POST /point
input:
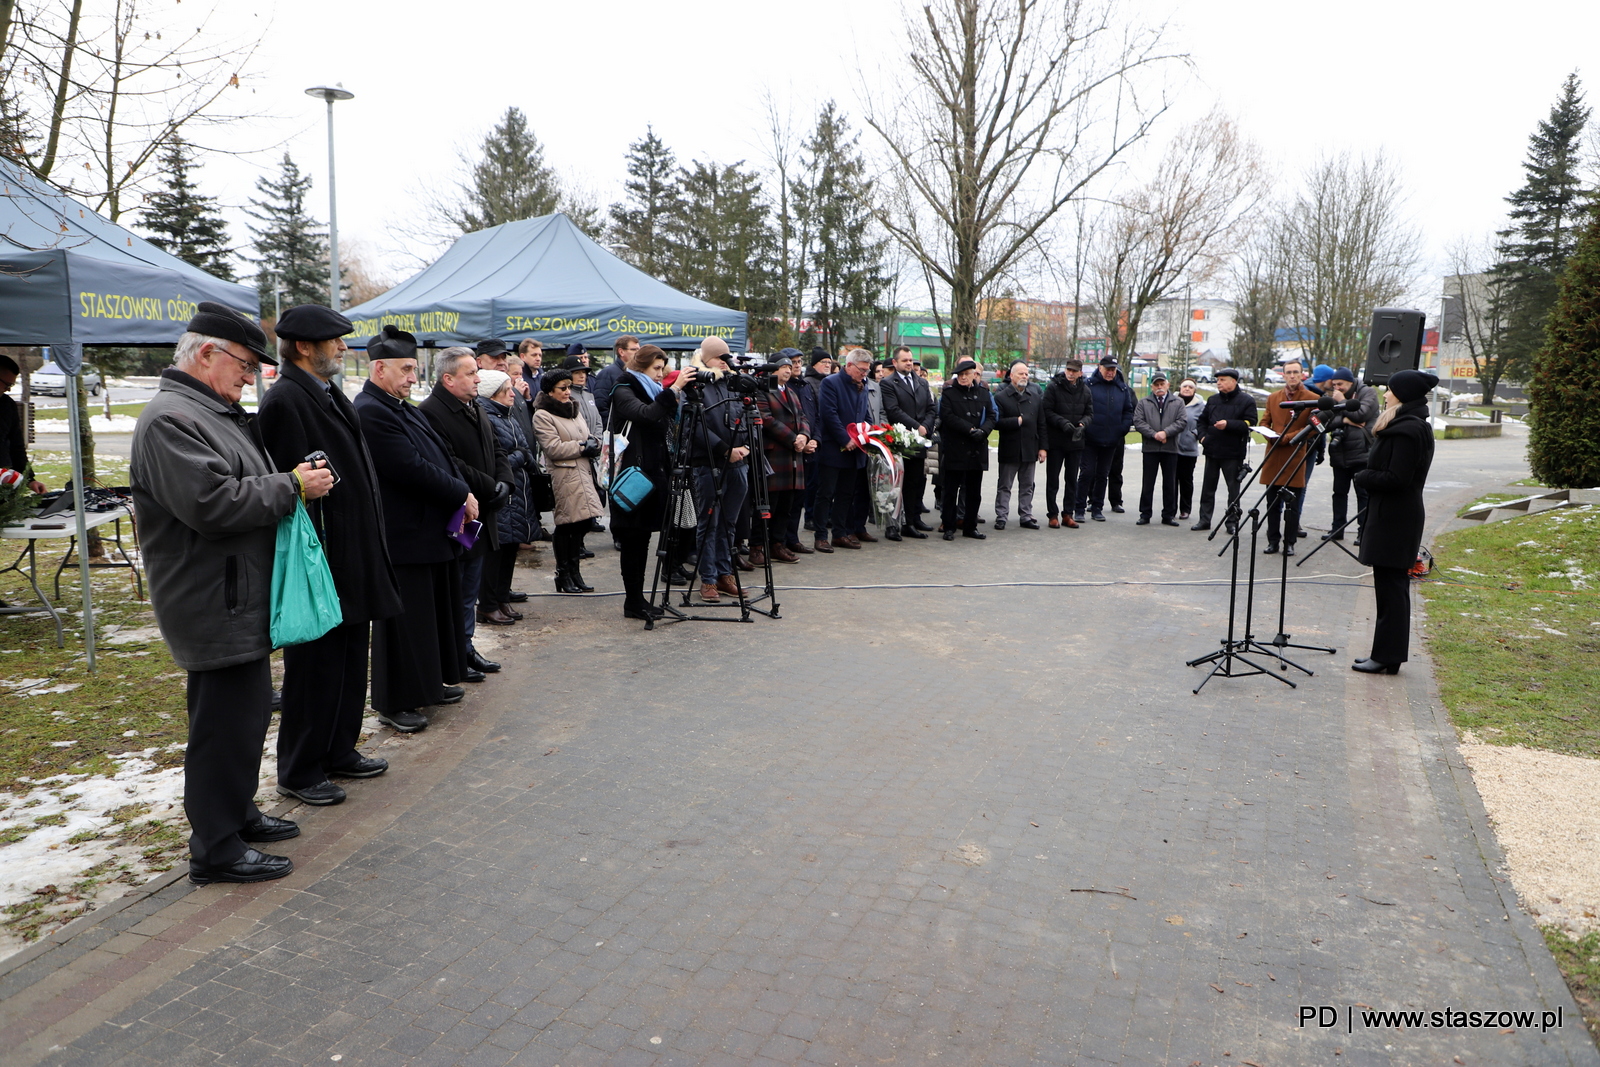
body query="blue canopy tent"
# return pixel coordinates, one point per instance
(70, 278)
(543, 278)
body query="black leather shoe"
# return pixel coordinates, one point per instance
(472, 674)
(1098, 516)
(1118, 509)
(1142, 520)
(1372, 666)
(1271, 549)
(478, 663)
(918, 524)
(642, 610)
(999, 524)
(324, 792)
(277, 700)
(912, 531)
(974, 534)
(518, 597)
(1201, 526)
(253, 866)
(406, 722)
(949, 535)
(1029, 524)
(891, 535)
(451, 694)
(1333, 536)
(268, 828)
(1288, 548)
(584, 553)
(507, 609)
(363, 767)
(1169, 522)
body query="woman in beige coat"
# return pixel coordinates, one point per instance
(569, 449)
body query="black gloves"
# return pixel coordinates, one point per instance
(591, 449)
(502, 493)
(977, 433)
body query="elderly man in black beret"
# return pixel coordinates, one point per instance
(325, 681)
(209, 500)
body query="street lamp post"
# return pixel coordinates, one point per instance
(330, 94)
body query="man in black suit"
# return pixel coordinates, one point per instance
(416, 656)
(325, 681)
(454, 412)
(907, 400)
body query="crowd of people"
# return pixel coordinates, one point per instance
(423, 508)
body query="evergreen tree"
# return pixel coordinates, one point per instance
(639, 223)
(511, 181)
(288, 241)
(183, 222)
(1547, 218)
(721, 246)
(841, 265)
(1564, 447)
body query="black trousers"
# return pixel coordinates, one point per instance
(1164, 464)
(568, 542)
(1114, 475)
(961, 492)
(1061, 466)
(813, 481)
(841, 501)
(1341, 497)
(913, 485)
(1283, 505)
(1186, 465)
(1228, 471)
(1391, 637)
(494, 587)
(419, 651)
(784, 502)
(229, 710)
(635, 555)
(1092, 482)
(324, 694)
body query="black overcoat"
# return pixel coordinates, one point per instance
(1068, 412)
(961, 409)
(417, 480)
(465, 428)
(1020, 443)
(1397, 469)
(647, 424)
(1238, 410)
(298, 416)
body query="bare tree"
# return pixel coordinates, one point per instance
(1011, 108)
(1259, 298)
(1179, 228)
(1348, 248)
(1475, 314)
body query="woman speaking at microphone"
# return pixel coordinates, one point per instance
(1397, 468)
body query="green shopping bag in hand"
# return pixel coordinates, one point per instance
(305, 605)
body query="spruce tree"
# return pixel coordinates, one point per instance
(1564, 447)
(1547, 217)
(639, 223)
(288, 241)
(511, 181)
(721, 246)
(183, 222)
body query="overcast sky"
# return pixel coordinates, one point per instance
(1450, 90)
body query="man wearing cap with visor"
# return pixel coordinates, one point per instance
(209, 500)
(325, 681)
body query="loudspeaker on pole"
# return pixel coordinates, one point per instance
(1394, 344)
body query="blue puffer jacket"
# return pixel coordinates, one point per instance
(1113, 409)
(515, 521)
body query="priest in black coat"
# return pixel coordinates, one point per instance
(325, 681)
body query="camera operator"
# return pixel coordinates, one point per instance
(712, 450)
(1224, 435)
(786, 437)
(1397, 469)
(1348, 445)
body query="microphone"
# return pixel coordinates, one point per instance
(1311, 428)
(1323, 403)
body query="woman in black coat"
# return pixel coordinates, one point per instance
(1397, 468)
(964, 425)
(515, 521)
(644, 412)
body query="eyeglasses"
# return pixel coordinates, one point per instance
(251, 368)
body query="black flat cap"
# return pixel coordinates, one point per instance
(311, 322)
(392, 343)
(215, 320)
(572, 363)
(491, 347)
(1228, 372)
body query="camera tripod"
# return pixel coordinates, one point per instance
(1235, 649)
(681, 505)
(1334, 539)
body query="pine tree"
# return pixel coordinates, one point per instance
(1564, 447)
(1547, 217)
(288, 242)
(841, 269)
(183, 222)
(639, 223)
(511, 182)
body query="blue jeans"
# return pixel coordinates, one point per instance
(716, 521)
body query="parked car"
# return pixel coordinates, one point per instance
(1203, 375)
(50, 380)
(1274, 377)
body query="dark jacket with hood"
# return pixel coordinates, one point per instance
(1067, 413)
(1113, 409)
(516, 519)
(1397, 469)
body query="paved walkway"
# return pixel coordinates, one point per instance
(961, 825)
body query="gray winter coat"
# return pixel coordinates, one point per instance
(588, 410)
(1150, 416)
(208, 501)
(1189, 441)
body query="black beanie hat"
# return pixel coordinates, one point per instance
(1410, 385)
(217, 320)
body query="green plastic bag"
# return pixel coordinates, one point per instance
(305, 605)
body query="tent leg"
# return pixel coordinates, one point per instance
(74, 420)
